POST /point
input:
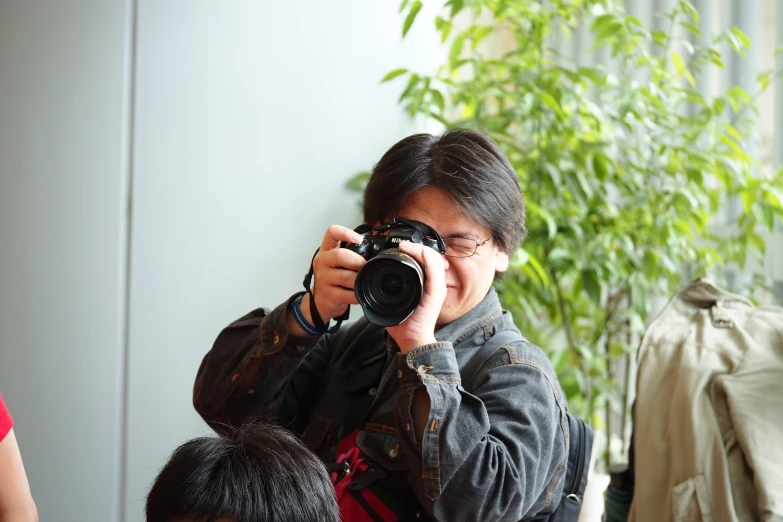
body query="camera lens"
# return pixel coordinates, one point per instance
(389, 287)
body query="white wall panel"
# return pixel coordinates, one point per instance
(250, 117)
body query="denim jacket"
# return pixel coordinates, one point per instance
(493, 449)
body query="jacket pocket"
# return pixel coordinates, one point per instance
(691, 501)
(382, 445)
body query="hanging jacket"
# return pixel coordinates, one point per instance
(708, 421)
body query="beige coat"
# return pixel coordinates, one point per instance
(708, 423)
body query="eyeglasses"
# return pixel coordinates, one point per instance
(462, 247)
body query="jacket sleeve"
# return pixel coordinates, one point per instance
(752, 392)
(498, 453)
(256, 367)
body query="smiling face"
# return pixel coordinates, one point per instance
(468, 279)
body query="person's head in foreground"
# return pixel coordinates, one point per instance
(262, 473)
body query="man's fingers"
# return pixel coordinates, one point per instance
(423, 254)
(336, 294)
(431, 260)
(348, 296)
(343, 258)
(434, 265)
(337, 233)
(341, 278)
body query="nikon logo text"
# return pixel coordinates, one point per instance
(396, 240)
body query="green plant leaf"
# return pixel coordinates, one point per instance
(737, 97)
(765, 214)
(456, 7)
(546, 216)
(679, 67)
(358, 181)
(456, 51)
(592, 284)
(444, 27)
(542, 275)
(737, 32)
(599, 163)
(478, 34)
(414, 10)
(765, 78)
(690, 11)
(550, 102)
(693, 28)
(558, 255)
(393, 74)
(413, 82)
(733, 132)
(437, 99)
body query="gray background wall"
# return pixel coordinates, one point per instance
(233, 126)
(63, 130)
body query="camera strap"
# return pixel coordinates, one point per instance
(318, 322)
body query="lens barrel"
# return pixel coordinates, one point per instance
(389, 287)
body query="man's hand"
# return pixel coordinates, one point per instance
(419, 328)
(334, 270)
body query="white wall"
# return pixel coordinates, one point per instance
(61, 231)
(249, 118)
(235, 125)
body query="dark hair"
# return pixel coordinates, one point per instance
(465, 165)
(262, 473)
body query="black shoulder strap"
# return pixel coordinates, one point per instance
(482, 355)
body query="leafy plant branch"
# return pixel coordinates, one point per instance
(626, 174)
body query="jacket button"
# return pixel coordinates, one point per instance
(393, 453)
(251, 391)
(276, 339)
(399, 374)
(372, 392)
(300, 348)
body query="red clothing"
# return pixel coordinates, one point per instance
(6, 422)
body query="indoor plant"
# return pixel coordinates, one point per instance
(625, 172)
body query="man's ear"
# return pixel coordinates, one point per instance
(501, 260)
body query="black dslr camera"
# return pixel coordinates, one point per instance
(390, 285)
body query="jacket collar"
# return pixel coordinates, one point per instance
(487, 312)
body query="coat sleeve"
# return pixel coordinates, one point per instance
(498, 452)
(255, 367)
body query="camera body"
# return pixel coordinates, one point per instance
(373, 245)
(390, 285)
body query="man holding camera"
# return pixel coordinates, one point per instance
(409, 430)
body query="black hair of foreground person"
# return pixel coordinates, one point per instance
(260, 473)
